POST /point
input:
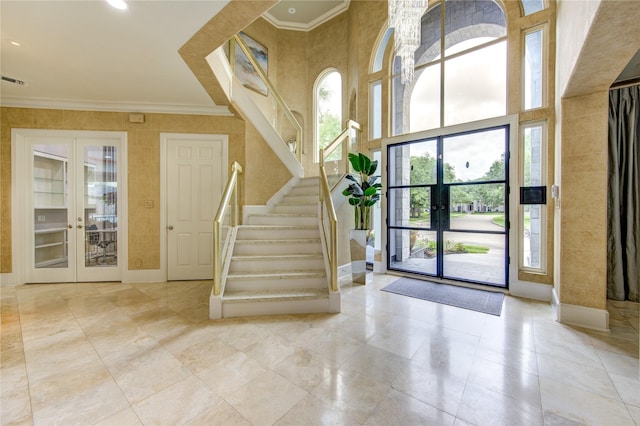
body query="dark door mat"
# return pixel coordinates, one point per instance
(487, 302)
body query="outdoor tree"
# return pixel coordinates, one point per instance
(329, 126)
(492, 195)
(423, 171)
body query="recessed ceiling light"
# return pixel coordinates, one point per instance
(118, 4)
(15, 43)
(292, 10)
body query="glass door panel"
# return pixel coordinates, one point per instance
(50, 206)
(476, 257)
(447, 206)
(474, 157)
(73, 225)
(98, 213)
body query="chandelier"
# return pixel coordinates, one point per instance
(405, 17)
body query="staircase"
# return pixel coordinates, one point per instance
(277, 264)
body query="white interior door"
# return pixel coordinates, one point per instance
(73, 193)
(196, 174)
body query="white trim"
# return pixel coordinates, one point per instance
(581, 316)
(8, 280)
(530, 290)
(299, 26)
(15, 102)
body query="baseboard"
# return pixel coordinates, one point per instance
(529, 290)
(8, 280)
(581, 316)
(144, 276)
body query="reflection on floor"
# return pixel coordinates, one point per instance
(131, 354)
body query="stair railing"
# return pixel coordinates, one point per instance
(328, 217)
(272, 90)
(349, 134)
(227, 211)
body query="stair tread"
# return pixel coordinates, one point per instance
(283, 227)
(278, 241)
(278, 256)
(295, 294)
(303, 273)
(286, 214)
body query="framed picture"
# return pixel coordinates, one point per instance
(245, 72)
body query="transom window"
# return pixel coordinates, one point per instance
(468, 82)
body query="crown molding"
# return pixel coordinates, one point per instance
(43, 103)
(298, 26)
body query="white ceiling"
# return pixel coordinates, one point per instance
(87, 55)
(304, 15)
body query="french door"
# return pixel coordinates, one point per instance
(447, 206)
(74, 201)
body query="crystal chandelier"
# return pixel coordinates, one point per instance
(405, 17)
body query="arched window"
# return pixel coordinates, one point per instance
(327, 111)
(465, 84)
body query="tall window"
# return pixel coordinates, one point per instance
(460, 68)
(533, 69)
(328, 111)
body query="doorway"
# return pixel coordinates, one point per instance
(447, 206)
(72, 186)
(195, 172)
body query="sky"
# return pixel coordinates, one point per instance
(475, 88)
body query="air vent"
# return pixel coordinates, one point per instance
(13, 80)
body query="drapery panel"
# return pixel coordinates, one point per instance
(623, 213)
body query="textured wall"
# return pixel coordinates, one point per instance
(583, 229)
(143, 151)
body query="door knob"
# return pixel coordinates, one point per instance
(443, 207)
(170, 227)
(69, 226)
(80, 226)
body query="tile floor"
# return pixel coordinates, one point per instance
(131, 354)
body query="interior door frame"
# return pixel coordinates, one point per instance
(165, 139)
(21, 189)
(513, 240)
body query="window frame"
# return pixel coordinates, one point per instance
(544, 210)
(316, 126)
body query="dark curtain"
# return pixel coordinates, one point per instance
(623, 213)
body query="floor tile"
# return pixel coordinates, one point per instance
(266, 398)
(89, 353)
(177, 404)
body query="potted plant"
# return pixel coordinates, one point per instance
(363, 194)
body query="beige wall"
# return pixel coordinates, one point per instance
(143, 156)
(597, 39)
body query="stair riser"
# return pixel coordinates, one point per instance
(276, 233)
(275, 307)
(296, 208)
(301, 199)
(257, 266)
(255, 249)
(305, 190)
(282, 221)
(256, 284)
